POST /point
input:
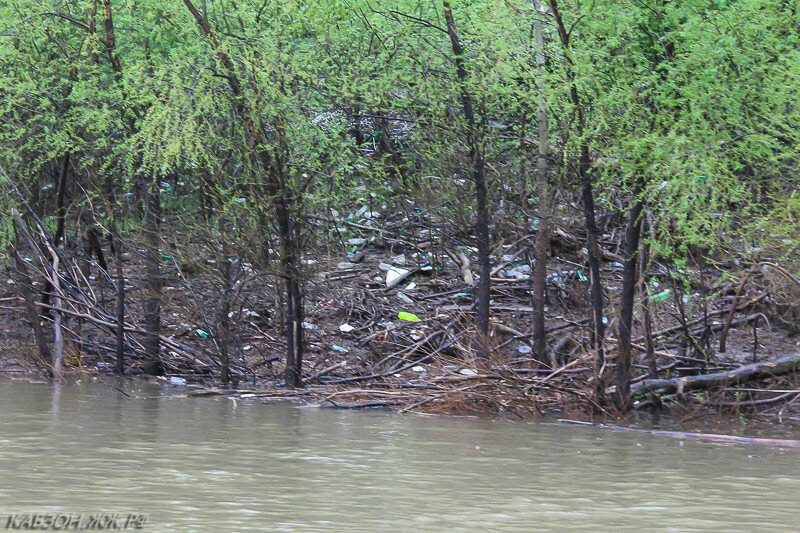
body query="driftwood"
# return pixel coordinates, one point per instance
(783, 365)
(713, 437)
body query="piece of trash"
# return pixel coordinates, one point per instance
(418, 369)
(403, 298)
(345, 265)
(524, 349)
(518, 273)
(164, 256)
(582, 277)
(468, 372)
(449, 367)
(399, 259)
(464, 297)
(308, 325)
(202, 334)
(416, 335)
(346, 328)
(177, 381)
(661, 296)
(356, 257)
(340, 349)
(358, 241)
(411, 286)
(402, 315)
(395, 276)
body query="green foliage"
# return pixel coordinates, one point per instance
(697, 100)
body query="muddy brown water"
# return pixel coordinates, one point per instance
(217, 465)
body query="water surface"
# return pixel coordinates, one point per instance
(218, 465)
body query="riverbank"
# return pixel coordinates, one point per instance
(389, 322)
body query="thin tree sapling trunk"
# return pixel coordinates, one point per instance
(478, 178)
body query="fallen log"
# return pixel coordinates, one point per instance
(713, 437)
(743, 374)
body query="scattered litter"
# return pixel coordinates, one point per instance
(345, 265)
(177, 381)
(403, 298)
(418, 369)
(356, 257)
(524, 349)
(411, 286)
(346, 328)
(416, 335)
(402, 315)
(661, 296)
(202, 334)
(357, 241)
(468, 372)
(340, 349)
(521, 272)
(395, 276)
(308, 325)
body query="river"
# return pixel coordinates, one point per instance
(218, 465)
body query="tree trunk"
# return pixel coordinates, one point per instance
(542, 245)
(630, 253)
(592, 246)
(22, 280)
(223, 340)
(60, 201)
(647, 322)
(479, 179)
(275, 189)
(61, 189)
(106, 194)
(152, 282)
